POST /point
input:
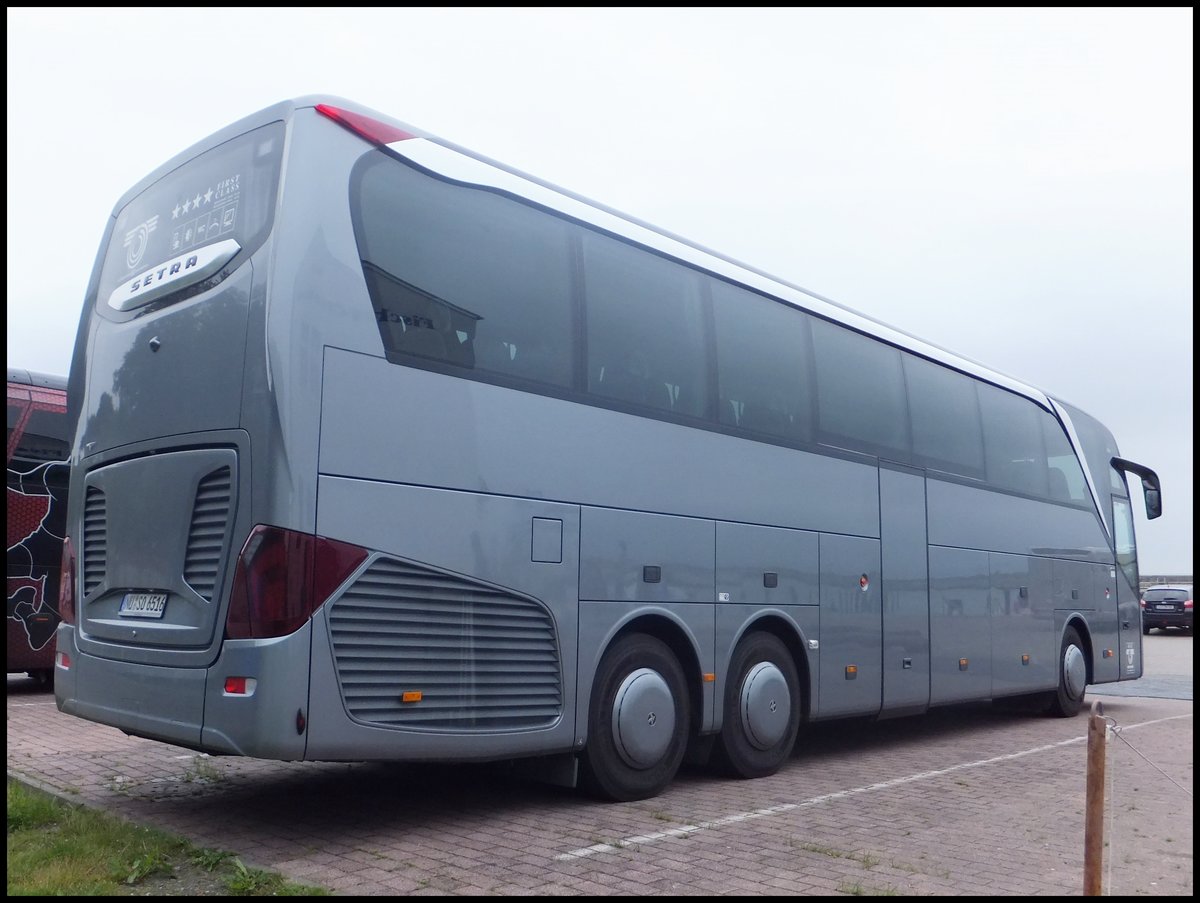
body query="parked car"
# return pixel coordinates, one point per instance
(1167, 606)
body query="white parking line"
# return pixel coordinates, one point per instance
(643, 839)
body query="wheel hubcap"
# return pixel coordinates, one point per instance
(643, 718)
(766, 705)
(1074, 671)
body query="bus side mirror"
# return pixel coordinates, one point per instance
(1153, 502)
(1151, 488)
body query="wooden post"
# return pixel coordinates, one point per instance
(1093, 830)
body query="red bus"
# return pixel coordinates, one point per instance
(39, 443)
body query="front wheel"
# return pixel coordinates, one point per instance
(638, 722)
(761, 708)
(1072, 676)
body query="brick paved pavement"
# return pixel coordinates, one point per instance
(963, 801)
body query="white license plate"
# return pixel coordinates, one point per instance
(1165, 607)
(143, 605)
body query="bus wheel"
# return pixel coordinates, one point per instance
(638, 723)
(761, 708)
(1072, 676)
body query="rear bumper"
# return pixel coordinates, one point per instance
(189, 706)
(145, 700)
(1151, 619)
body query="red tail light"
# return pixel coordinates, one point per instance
(282, 577)
(66, 583)
(1142, 602)
(1187, 605)
(364, 126)
(235, 686)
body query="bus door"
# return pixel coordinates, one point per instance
(905, 582)
(1125, 584)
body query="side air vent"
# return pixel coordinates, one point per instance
(206, 536)
(95, 540)
(416, 648)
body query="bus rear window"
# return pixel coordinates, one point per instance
(163, 236)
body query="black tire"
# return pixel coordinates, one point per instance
(1068, 698)
(640, 689)
(44, 677)
(1145, 630)
(758, 734)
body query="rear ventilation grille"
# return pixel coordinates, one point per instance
(206, 536)
(467, 656)
(95, 540)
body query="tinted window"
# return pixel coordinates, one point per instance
(463, 276)
(645, 328)
(1167, 595)
(1126, 547)
(1065, 475)
(944, 408)
(1099, 448)
(763, 364)
(860, 392)
(38, 427)
(227, 192)
(1012, 441)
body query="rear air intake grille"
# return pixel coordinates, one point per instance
(480, 658)
(206, 537)
(95, 540)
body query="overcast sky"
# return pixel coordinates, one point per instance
(1014, 185)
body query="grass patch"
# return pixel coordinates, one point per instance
(201, 771)
(856, 889)
(56, 849)
(866, 860)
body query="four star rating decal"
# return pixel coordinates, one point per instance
(192, 203)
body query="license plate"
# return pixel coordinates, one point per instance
(143, 605)
(1164, 607)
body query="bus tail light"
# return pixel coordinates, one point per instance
(282, 577)
(66, 583)
(364, 126)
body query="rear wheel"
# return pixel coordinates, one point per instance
(1072, 676)
(761, 708)
(638, 722)
(1145, 630)
(44, 678)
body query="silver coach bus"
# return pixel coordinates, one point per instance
(387, 451)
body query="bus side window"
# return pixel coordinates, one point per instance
(1012, 441)
(861, 399)
(1067, 482)
(645, 328)
(943, 410)
(464, 277)
(763, 363)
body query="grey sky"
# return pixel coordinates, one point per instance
(1015, 185)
